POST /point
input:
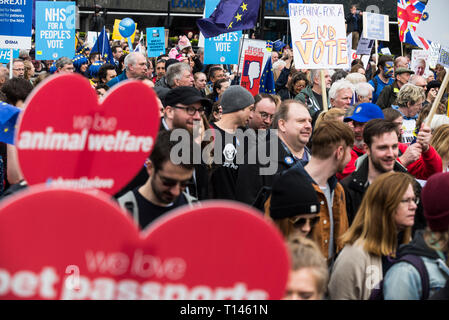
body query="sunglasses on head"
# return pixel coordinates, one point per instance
(299, 222)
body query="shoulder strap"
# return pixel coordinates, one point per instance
(375, 84)
(190, 199)
(418, 263)
(129, 202)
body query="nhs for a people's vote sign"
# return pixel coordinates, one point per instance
(223, 48)
(15, 24)
(55, 30)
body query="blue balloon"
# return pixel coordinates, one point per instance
(126, 27)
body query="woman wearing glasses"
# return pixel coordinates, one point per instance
(293, 205)
(384, 219)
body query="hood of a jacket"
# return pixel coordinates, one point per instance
(418, 247)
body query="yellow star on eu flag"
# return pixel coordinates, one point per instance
(238, 17)
(244, 6)
(230, 26)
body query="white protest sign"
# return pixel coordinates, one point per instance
(92, 37)
(419, 62)
(376, 26)
(443, 58)
(318, 36)
(434, 54)
(386, 51)
(365, 46)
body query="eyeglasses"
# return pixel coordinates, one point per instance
(171, 182)
(299, 222)
(410, 200)
(265, 115)
(191, 110)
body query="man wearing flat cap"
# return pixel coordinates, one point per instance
(388, 96)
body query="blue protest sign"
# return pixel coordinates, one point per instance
(155, 41)
(15, 24)
(5, 55)
(224, 48)
(55, 30)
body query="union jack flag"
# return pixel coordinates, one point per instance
(409, 15)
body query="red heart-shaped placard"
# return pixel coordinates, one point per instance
(68, 244)
(66, 138)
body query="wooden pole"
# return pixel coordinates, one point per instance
(438, 98)
(402, 49)
(377, 52)
(323, 91)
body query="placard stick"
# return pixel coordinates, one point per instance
(402, 49)
(10, 63)
(377, 52)
(438, 98)
(323, 91)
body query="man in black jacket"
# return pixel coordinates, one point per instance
(381, 139)
(354, 25)
(288, 147)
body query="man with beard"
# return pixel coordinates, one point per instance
(164, 189)
(384, 76)
(382, 147)
(332, 143)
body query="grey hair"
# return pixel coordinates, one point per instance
(131, 59)
(363, 89)
(61, 62)
(355, 78)
(340, 85)
(175, 71)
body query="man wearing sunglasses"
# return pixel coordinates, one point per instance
(165, 188)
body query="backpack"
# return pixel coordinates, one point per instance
(418, 263)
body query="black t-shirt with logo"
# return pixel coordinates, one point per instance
(224, 176)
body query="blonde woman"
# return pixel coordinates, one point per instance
(334, 114)
(386, 214)
(409, 104)
(440, 141)
(308, 275)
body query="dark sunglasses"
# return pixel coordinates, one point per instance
(171, 182)
(299, 222)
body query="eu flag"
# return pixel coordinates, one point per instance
(102, 46)
(267, 79)
(8, 119)
(230, 15)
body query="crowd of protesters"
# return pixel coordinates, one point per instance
(356, 190)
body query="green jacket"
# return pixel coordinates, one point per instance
(307, 97)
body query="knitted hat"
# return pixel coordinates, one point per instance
(293, 194)
(184, 43)
(92, 71)
(436, 202)
(235, 98)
